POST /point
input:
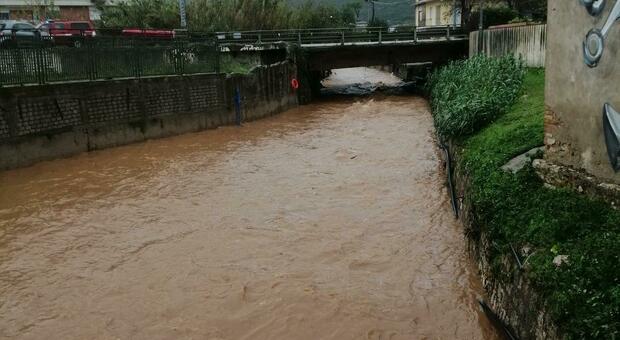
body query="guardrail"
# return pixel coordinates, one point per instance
(339, 35)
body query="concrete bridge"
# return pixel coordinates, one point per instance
(326, 49)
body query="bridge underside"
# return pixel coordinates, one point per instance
(333, 57)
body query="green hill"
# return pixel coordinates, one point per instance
(394, 11)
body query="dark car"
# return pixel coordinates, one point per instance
(71, 33)
(14, 32)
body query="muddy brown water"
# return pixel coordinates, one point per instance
(330, 221)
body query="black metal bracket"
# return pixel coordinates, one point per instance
(611, 126)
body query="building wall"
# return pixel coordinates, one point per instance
(435, 13)
(69, 10)
(51, 121)
(75, 13)
(576, 93)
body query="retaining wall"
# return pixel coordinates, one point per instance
(511, 294)
(51, 121)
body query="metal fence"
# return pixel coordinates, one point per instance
(320, 36)
(527, 42)
(103, 59)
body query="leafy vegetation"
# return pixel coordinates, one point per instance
(468, 94)
(582, 294)
(225, 15)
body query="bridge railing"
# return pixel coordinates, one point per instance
(339, 35)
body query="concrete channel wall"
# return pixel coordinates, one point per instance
(576, 93)
(51, 121)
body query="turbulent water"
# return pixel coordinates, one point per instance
(330, 221)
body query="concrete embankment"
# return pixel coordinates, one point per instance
(45, 122)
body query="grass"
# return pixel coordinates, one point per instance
(582, 295)
(469, 94)
(239, 64)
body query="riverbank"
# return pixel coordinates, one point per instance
(549, 258)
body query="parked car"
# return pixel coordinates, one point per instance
(14, 32)
(70, 33)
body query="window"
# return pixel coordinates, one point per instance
(23, 27)
(5, 15)
(438, 15)
(59, 26)
(80, 26)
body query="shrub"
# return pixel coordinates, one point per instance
(467, 95)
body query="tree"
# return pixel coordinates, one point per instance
(142, 14)
(43, 9)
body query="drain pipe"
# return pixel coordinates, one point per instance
(453, 199)
(497, 321)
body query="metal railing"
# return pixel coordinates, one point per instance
(38, 62)
(111, 54)
(338, 35)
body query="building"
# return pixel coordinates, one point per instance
(437, 13)
(39, 10)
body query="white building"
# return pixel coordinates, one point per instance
(437, 13)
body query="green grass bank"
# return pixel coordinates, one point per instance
(581, 290)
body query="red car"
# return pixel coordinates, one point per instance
(71, 33)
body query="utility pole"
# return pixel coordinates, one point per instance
(415, 14)
(183, 13)
(454, 13)
(481, 28)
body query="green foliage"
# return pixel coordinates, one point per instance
(142, 14)
(239, 64)
(467, 95)
(583, 295)
(226, 15)
(493, 15)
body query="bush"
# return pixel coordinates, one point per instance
(467, 95)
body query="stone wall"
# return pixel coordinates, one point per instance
(46, 122)
(510, 293)
(576, 93)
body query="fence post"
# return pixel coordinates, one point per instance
(38, 68)
(380, 36)
(448, 32)
(299, 37)
(342, 37)
(217, 56)
(92, 63)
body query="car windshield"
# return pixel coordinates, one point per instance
(23, 26)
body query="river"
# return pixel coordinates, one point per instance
(329, 221)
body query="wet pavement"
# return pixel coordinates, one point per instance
(329, 221)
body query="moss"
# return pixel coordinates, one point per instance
(583, 295)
